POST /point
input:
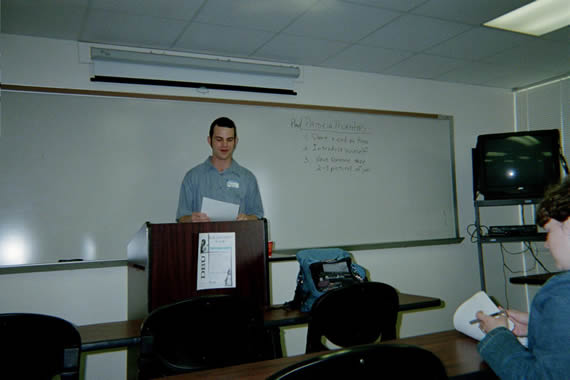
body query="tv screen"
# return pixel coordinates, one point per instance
(516, 165)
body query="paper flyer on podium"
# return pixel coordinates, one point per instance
(216, 260)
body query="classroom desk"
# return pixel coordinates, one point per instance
(103, 336)
(458, 353)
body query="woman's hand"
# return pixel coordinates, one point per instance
(520, 319)
(488, 323)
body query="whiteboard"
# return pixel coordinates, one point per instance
(80, 174)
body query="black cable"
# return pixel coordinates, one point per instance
(528, 244)
(536, 258)
(503, 250)
(529, 249)
(483, 230)
(512, 253)
(505, 279)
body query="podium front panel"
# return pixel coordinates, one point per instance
(172, 265)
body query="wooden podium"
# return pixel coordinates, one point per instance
(163, 263)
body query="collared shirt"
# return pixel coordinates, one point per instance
(548, 353)
(235, 185)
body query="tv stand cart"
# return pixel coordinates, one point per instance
(484, 239)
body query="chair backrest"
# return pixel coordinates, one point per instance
(354, 315)
(378, 361)
(37, 346)
(199, 333)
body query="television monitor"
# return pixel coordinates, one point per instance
(516, 165)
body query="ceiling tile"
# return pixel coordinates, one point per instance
(398, 5)
(473, 73)
(299, 50)
(177, 9)
(561, 35)
(269, 15)
(131, 30)
(549, 55)
(413, 38)
(414, 33)
(478, 43)
(366, 59)
(424, 66)
(339, 21)
(468, 11)
(56, 19)
(222, 39)
(520, 77)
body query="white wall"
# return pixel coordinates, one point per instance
(82, 296)
(449, 272)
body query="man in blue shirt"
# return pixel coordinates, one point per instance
(219, 178)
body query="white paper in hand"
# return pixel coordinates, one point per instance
(465, 313)
(219, 211)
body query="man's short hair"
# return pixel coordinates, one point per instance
(225, 122)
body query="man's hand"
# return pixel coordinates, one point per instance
(246, 217)
(194, 218)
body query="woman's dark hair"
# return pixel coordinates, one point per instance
(556, 204)
(223, 122)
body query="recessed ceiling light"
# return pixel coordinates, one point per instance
(536, 18)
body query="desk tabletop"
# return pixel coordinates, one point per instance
(277, 316)
(103, 336)
(458, 353)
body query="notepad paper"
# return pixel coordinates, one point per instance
(465, 313)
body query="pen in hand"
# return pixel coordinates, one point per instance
(502, 312)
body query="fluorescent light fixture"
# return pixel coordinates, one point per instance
(228, 66)
(536, 18)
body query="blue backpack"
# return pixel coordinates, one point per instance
(321, 270)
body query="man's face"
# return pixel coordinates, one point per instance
(223, 142)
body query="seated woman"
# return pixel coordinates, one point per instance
(547, 326)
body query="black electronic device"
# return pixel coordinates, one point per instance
(516, 165)
(514, 230)
(332, 274)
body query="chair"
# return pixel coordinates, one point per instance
(37, 346)
(199, 333)
(354, 315)
(377, 361)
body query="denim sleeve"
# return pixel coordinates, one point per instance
(503, 352)
(511, 360)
